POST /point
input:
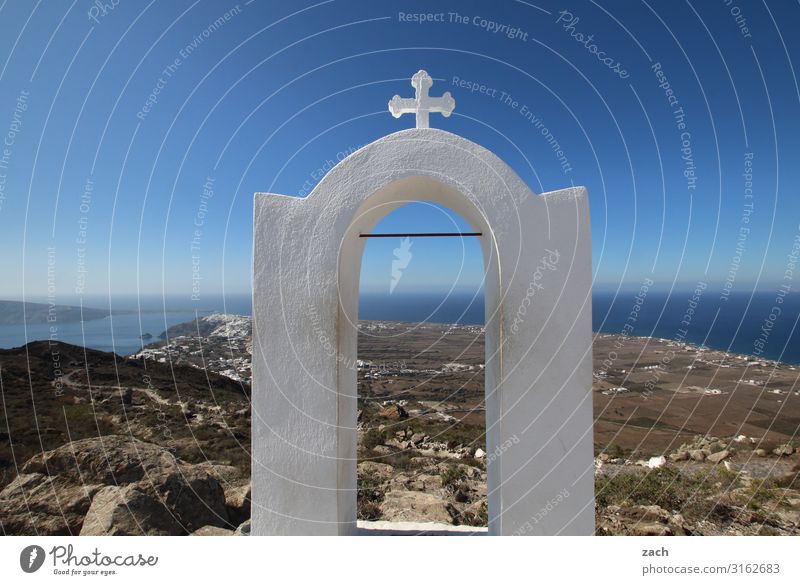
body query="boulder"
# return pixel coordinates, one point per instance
(697, 455)
(760, 453)
(718, 456)
(381, 471)
(656, 462)
(480, 453)
(393, 412)
(679, 456)
(783, 450)
(110, 460)
(243, 529)
(111, 485)
(640, 521)
(649, 529)
(237, 502)
(36, 504)
(412, 506)
(212, 531)
(128, 511)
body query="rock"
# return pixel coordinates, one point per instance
(110, 460)
(788, 516)
(656, 462)
(650, 513)
(237, 502)
(410, 506)
(697, 455)
(718, 456)
(393, 412)
(649, 529)
(229, 475)
(145, 490)
(679, 456)
(243, 529)
(640, 521)
(783, 450)
(128, 511)
(424, 483)
(417, 438)
(36, 504)
(760, 452)
(212, 531)
(480, 453)
(381, 471)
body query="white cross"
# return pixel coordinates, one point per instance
(422, 104)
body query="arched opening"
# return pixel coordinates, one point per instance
(468, 291)
(421, 399)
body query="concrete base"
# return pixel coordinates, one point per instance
(382, 528)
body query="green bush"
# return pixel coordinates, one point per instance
(666, 487)
(479, 517)
(452, 476)
(372, 438)
(369, 497)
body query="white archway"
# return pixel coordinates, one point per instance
(537, 254)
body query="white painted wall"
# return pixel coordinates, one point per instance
(307, 257)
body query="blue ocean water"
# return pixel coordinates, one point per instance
(757, 324)
(121, 333)
(763, 324)
(466, 309)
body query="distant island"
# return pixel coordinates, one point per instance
(19, 313)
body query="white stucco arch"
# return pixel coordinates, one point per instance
(537, 255)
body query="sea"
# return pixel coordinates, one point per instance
(762, 324)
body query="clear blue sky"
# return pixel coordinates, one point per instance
(263, 101)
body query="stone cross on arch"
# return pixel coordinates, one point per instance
(422, 104)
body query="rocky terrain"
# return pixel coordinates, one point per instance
(687, 440)
(118, 485)
(76, 422)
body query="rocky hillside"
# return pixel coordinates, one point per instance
(54, 393)
(93, 443)
(413, 470)
(118, 485)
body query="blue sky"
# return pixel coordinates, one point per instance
(270, 97)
